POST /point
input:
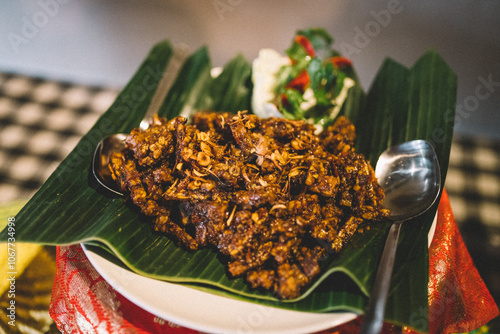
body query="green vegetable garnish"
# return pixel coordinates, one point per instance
(309, 87)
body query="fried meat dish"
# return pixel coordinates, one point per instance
(269, 194)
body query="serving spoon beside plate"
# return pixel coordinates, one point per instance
(410, 176)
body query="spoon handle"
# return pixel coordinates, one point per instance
(180, 53)
(374, 316)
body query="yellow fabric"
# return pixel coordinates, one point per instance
(24, 253)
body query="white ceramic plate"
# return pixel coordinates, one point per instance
(207, 312)
(211, 313)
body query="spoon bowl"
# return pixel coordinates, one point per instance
(410, 176)
(102, 157)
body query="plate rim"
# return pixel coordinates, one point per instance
(119, 279)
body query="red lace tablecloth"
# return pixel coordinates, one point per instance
(83, 302)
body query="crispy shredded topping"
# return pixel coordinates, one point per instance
(272, 196)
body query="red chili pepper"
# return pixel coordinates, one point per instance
(306, 44)
(300, 82)
(341, 62)
(284, 101)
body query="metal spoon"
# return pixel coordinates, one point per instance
(410, 176)
(116, 142)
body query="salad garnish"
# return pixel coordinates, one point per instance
(311, 82)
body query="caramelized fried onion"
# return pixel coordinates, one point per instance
(272, 196)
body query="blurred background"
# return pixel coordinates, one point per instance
(87, 50)
(103, 42)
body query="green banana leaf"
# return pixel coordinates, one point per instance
(402, 104)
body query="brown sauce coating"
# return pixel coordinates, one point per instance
(271, 195)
